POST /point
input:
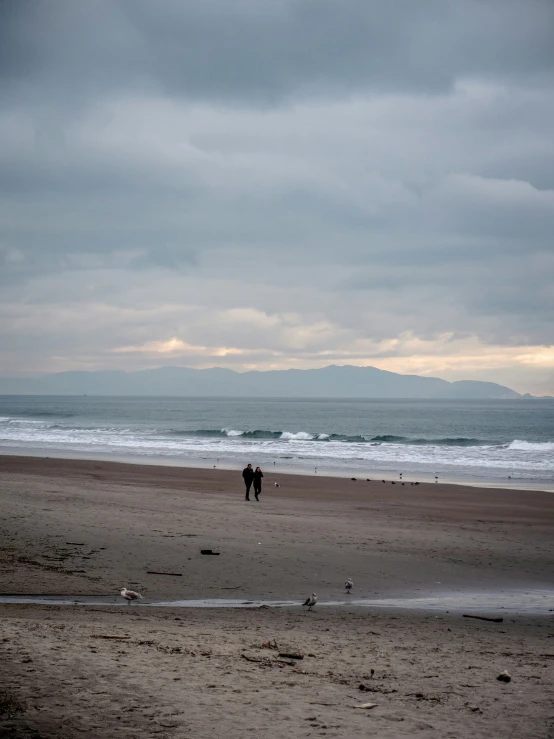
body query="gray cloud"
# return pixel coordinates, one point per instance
(302, 182)
(209, 49)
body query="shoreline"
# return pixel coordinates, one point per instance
(196, 464)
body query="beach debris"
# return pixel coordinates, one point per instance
(365, 705)
(353, 478)
(361, 686)
(209, 551)
(349, 585)
(76, 543)
(276, 484)
(259, 659)
(10, 704)
(310, 601)
(130, 595)
(288, 662)
(172, 574)
(291, 655)
(110, 636)
(269, 645)
(423, 697)
(504, 677)
(497, 620)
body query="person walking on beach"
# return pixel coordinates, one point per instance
(248, 477)
(258, 474)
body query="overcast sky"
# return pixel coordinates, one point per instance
(278, 183)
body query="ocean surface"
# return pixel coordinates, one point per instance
(501, 442)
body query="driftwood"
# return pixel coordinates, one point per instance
(110, 636)
(484, 618)
(366, 705)
(291, 655)
(76, 543)
(251, 658)
(209, 551)
(173, 574)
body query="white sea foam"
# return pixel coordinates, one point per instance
(299, 436)
(531, 446)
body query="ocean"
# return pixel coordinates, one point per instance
(501, 442)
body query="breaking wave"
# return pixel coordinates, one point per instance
(325, 437)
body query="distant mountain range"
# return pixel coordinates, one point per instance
(328, 382)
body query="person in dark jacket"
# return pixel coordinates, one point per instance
(248, 477)
(258, 474)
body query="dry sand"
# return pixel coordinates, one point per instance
(204, 673)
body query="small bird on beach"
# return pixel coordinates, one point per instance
(129, 595)
(349, 585)
(311, 601)
(276, 484)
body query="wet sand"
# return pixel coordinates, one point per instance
(72, 527)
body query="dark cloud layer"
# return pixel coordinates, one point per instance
(278, 184)
(227, 49)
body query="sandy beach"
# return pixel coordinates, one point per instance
(71, 527)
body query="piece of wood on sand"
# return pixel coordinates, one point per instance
(365, 705)
(110, 636)
(172, 574)
(484, 618)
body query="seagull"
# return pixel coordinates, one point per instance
(129, 595)
(311, 601)
(348, 585)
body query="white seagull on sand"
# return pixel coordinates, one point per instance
(311, 601)
(349, 585)
(129, 595)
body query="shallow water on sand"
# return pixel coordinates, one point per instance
(529, 602)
